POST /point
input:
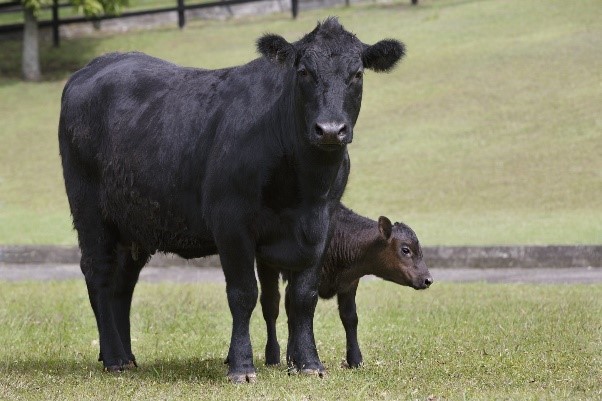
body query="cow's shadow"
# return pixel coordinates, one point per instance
(211, 370)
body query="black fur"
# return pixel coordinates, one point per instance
(157, 157)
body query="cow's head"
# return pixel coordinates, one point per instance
(398, 258)
(328, 65)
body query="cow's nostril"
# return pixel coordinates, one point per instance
(319, 130)
(428, 281)
(342, 132)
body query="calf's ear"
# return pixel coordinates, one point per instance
(276, 48)
(382, 56)
(385, 227)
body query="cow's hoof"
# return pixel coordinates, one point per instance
(318, 371)
(313, 372)
(239, 378)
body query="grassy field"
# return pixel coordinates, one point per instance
(452, 342)
(489, 132)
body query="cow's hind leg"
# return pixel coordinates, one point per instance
(129, 263)
(270, 305)
(98, 263)
(98, 243)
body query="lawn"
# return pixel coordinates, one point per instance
(489, 132)
(451, 342)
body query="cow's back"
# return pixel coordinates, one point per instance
(132, 124)
(130, 100)
(156, 139)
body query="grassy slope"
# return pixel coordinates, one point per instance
(488, 132)
(453, 341)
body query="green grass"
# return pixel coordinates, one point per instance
(454, 342)
(489, 132)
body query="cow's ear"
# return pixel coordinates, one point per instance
(382, 56)
(385, 227)
(276, 48)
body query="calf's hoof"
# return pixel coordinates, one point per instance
(352, 364)
(272, 360)
(121, 368)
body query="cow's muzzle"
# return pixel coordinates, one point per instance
(332, 135)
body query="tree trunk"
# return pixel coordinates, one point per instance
(31, 54)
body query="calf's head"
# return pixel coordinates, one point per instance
(327, 66)
(398, 256)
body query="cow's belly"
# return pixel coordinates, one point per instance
(158, 225)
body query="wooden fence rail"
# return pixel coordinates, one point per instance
(56, 21)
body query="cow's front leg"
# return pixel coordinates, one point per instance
(237, 255)
(348, 315)
(302, 297)
(270, 305)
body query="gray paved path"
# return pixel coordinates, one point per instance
(180, 274)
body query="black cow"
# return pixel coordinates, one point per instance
(359, 246)
(248, 162)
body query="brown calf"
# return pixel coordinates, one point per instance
(359, 246)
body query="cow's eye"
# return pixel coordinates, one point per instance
(406, 251)
(359, 75)
(302, 71)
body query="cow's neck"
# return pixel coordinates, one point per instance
(317, 170)
(319, 173)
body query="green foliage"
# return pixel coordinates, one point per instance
(451, 342)
(87, 7)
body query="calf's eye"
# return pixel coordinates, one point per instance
(302, 72)
(359, 75)
(406, 251)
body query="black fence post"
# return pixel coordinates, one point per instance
(56, 40)
(181, 16)
(295, 7)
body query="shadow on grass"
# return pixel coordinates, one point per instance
(209, 370)
(56, 63)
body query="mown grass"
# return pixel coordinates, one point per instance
(452, 342)
(489, 132)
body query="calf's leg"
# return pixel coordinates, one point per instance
(348, 315)
(270, 304)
